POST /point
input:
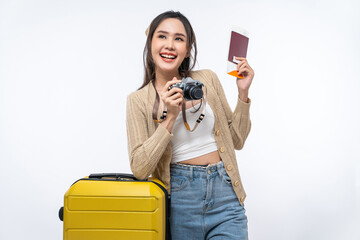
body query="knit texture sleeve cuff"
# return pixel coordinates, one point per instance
(243, 107)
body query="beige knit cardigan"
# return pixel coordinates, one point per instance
(149, 144)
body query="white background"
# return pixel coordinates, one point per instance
(66, 68)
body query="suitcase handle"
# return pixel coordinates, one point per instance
(113, 175)
(61, 214)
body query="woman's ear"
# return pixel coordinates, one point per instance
(188, 53)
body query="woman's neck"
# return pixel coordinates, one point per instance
(162, 78)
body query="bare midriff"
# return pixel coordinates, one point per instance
(206, 159)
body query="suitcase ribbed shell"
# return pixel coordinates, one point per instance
(110, 209)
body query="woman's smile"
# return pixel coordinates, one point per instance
(167, 56)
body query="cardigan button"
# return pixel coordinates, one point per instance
(217, 132)
(236, 183)
(229, 167)
(222, 149)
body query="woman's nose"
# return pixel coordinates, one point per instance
(170, 44)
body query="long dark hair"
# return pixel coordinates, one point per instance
(189, 62)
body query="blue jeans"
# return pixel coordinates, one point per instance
(204, 204)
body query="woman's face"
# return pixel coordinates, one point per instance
(168, 47)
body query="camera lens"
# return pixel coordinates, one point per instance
(196, 93)
(192, 89)
(192, 92)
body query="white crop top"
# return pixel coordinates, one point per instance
(187, 145)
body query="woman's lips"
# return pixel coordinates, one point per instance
(168, 57)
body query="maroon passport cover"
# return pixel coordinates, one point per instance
(238, 46)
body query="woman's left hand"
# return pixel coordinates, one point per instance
(243, 85)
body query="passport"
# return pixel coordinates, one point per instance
(238, 46)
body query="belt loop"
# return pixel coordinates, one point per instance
(219, 168)
(220, 173)
(191, 173)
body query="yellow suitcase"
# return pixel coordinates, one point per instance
(116, 206)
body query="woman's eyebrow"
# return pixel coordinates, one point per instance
(177, 34)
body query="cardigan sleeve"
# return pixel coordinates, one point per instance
(238, 120)
(144, 151)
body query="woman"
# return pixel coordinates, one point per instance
(198, 168)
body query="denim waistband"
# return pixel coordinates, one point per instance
(197, 171)
(180, 167)
(219, 164)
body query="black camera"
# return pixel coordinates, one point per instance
(192, 89)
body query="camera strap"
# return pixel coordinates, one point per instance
(201, 117)
(156, 108)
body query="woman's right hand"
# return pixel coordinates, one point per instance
(172, 98)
